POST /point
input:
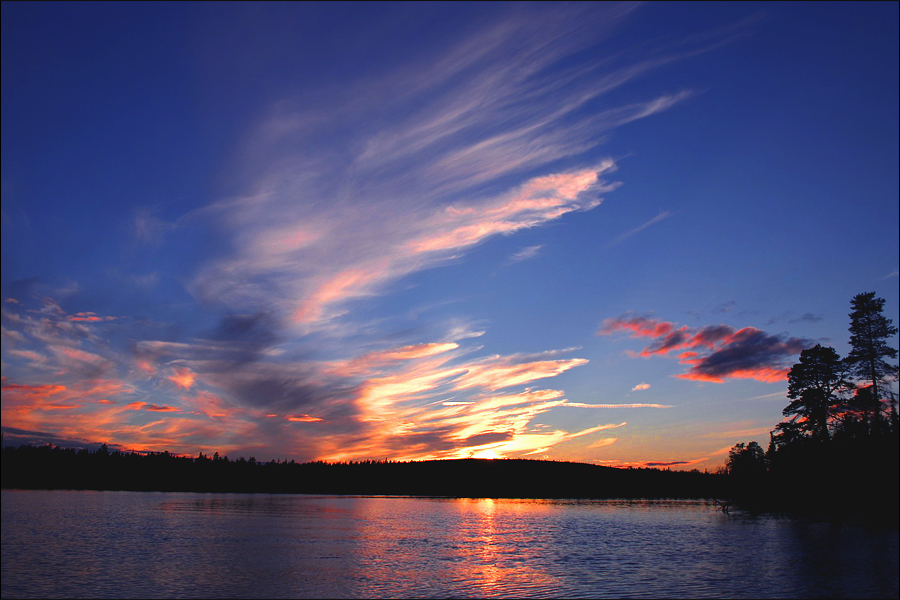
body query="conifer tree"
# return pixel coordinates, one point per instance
(816, 385)
(869, 332)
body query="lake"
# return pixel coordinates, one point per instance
(149, 545)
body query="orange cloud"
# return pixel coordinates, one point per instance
(161, 408)
(182, 377)
(764, 374)
(303, 419)
(18, 392)
(405, 421)
(145, 366)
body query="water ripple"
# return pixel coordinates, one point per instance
(124, 544)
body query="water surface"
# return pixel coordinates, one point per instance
(144, 544)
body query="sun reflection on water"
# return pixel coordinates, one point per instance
(495, 553)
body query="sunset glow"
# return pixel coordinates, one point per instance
(594, 232)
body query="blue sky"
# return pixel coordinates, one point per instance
(594, 232)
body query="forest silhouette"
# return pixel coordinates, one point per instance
(838, 449)
(836, 453)
(47, 467)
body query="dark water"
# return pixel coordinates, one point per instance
(125, 544)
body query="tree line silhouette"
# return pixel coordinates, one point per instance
(48, 467)
(837, 451)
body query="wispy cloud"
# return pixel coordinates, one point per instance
(751, 432)
(309, 273)
(660, 217)
(525, 253)
(806, 318)
(766, 396)
(725, 307)
(149, 229)
(432, 159)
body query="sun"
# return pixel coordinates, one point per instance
(488, 453)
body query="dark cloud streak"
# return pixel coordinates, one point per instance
(714, 352)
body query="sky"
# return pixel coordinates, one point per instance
(589, 232)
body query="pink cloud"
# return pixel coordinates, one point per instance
(90, 317)
(313, 277)
(29, 355)
(638, 326)
(716, 352)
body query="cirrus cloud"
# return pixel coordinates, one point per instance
(344, 193)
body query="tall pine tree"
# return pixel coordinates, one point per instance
(816, 385)
(869, 332)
